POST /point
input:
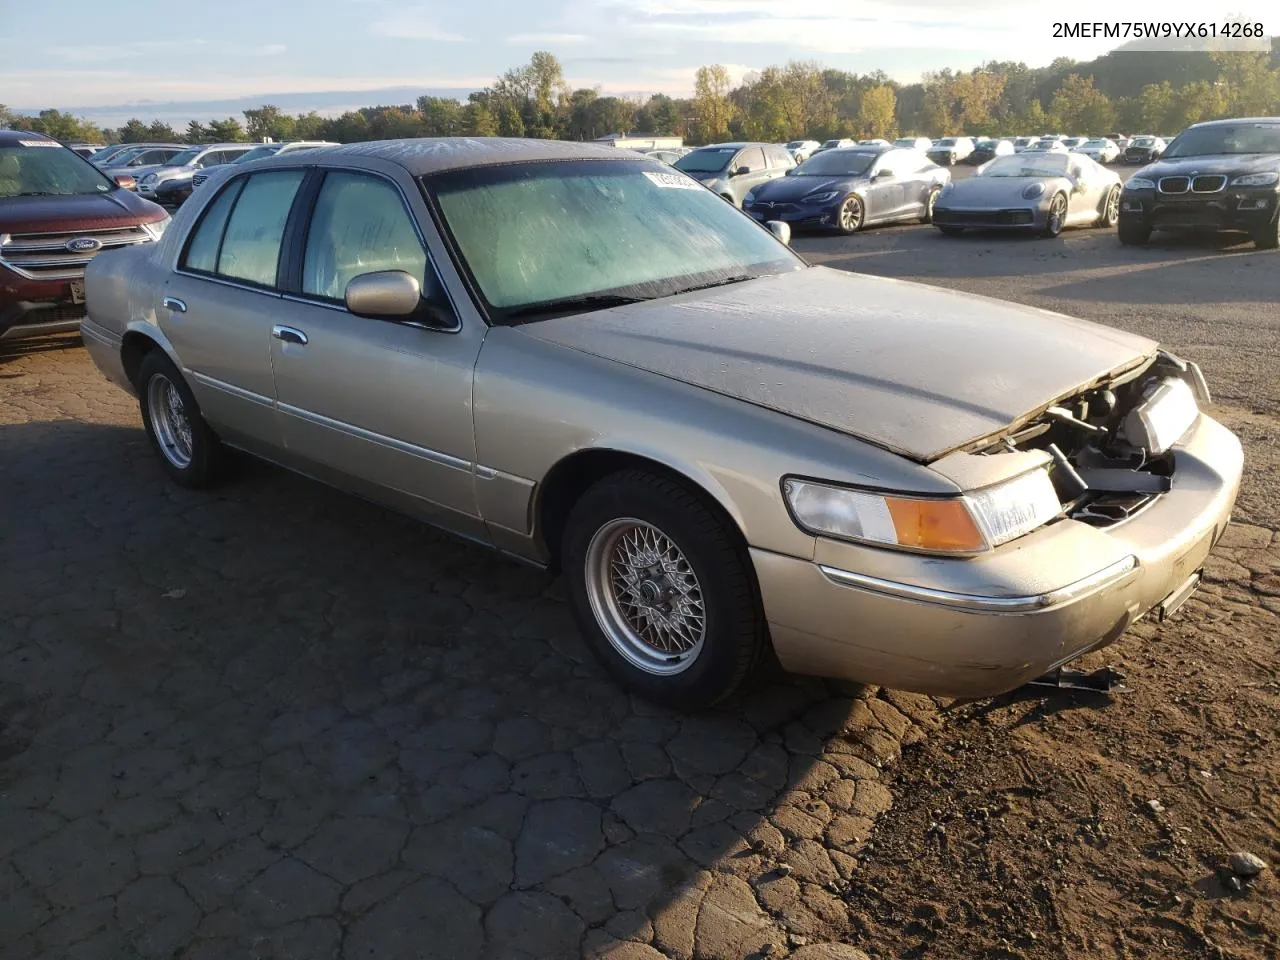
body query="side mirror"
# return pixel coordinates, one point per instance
(741, 171)
(126, 181)
(780, 230)
(384, 295)
(884, 175)
(790, 172)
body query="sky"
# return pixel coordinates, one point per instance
(158, 57)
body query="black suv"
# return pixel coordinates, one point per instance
(1222, 175)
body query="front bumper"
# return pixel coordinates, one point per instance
(1009, 218)
(30, 308)
(984, 626)
(1137, 156)
(1243, 208)
(818, 215)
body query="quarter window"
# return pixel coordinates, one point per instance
(241, 241)
(752, 159)
(360, 225)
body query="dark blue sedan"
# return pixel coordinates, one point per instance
(849, 188)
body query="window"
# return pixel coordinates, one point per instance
(360, 225)
(240, 234)
(779, 158)
(752, 159)
(202, 248)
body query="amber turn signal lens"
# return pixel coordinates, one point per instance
(943, 525)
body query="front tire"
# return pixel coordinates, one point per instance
(928, 204)
(850, 216)
(1267, 237)
(187, 449)
(950, 231)
(662, 590)
(1110, 215)
(1056, 217)
(1134, 234)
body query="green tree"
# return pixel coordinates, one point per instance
(161, 131)
(225, 131)
(351, 127)
(268, 122)
(1079, 107)
(508, 121)
(712, 108)
(1155, 106)
(196, 132)
(876, 115)
(1033, 119)
(477, 120)
(310, 126)
(135, 131)
(441, 116)
(1250, 84)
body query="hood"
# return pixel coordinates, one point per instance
(794, 188)
(980, 191)
(915, 369)
(119, 208)
(1230, 164)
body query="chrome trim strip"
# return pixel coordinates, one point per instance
(1105, 577)
(493, 473)
(424, 453)
(230, 388)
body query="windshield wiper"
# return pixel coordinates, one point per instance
(39, 193)
(583, 304)
(724, 282)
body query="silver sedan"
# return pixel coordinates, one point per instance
(1034, 192)
(726, 451)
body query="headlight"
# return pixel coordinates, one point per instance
(957, 525)
(1256, 180)
(822, 197)
(158, 228)
(1166, 413)
(1032, 191)
(1139, 183)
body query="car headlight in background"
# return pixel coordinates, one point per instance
(968, 524)
(1032, 191)
(1139, 183)
(1167, 412)
(822, 197)
(157, 228)
(1256, 180)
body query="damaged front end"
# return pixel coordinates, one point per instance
(1107, 447)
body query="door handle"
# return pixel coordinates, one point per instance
(174, 304)
(289, 334)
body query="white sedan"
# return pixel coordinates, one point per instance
(1100, 150)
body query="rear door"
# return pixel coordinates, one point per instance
(386, 403)
(219, 305)
(884, 192)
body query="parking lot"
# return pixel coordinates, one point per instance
(274, 721)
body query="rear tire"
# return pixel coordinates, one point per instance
(187, 448)
(928, 204)
(662, 591)
(1134, 234)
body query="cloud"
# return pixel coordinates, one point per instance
(272, 49)
(414, 23)
(546, 39)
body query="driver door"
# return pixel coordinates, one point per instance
(1083, 202)
(885, 191)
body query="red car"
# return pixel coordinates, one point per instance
(57, 211)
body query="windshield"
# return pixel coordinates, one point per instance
(1096, 143)
(1226, 138)
(795, 143)
(706, 160)
(122, 158)
(837, 163)
(185, 157)
(832, 143)
(1021, 165)
(48, 169)
(946, 142)
(257, 153)
(1142, 141)
(535, 235)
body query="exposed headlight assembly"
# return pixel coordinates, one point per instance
(1139, 183)
(1167, 412)
(1032, 191)
(822, 197)
(1256, 180)
(157, 228)
(973, 523)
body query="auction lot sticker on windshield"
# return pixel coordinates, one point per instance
(673, 181)
(39, 143)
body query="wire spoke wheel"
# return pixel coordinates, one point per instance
(169, 421)
(646, 596)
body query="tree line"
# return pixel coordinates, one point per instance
(1122, 91)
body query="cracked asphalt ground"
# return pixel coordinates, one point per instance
(274, 721)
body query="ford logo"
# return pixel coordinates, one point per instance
(83, 245)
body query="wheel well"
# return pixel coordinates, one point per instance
(574, 475)
(132, 351)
